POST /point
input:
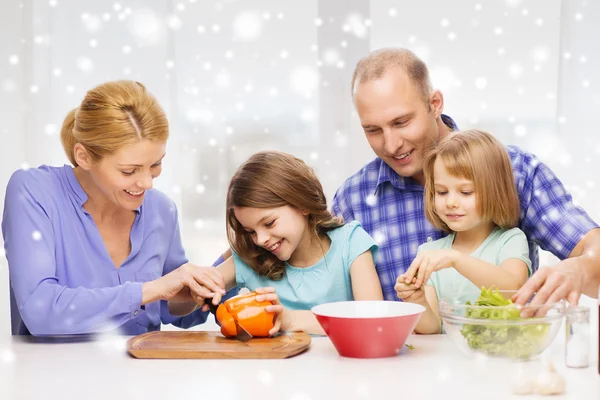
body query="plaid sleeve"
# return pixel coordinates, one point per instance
(548, 215)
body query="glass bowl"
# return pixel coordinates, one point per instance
(500, 331)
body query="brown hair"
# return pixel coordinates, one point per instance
(377, 63)
(481, 158)
(111, 116)
(272, 179)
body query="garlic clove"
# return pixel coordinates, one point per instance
(523, 381)
(548, 381)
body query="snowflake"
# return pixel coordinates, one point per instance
(7, 356)
(481, 82)
(355, 24)
(515, 70)
(265, 377)
(520, 130)
(174, 22)
(247, 26)
(85, 64)
(50, 129)
(13, 59)
(146, 27)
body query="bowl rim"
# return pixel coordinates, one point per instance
(421, 309)
(503, 322)
(445, 304)
(448, 302)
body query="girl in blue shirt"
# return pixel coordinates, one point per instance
(286, 243)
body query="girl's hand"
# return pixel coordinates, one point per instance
(282, 320)
(429, 261)
(409, 292)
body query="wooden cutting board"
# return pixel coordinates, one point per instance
(197, 344)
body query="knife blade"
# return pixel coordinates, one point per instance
(242, 334)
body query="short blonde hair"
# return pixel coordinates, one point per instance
(477, 156)
(111, 116)
(377, 63)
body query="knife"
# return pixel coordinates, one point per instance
(242, 334)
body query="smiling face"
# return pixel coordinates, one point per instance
(399, 125)
(280, 230)
(455, 200)
(122, 178)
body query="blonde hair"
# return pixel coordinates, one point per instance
(111, 116)
(377, 63)
(481, 158)
(272, 179)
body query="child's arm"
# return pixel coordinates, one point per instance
(227, 270)
(511, 274)
(365, 282)
(430, 322)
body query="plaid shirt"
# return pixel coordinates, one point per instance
(391, 209)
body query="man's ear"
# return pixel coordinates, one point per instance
(436, 102)
(82, 157)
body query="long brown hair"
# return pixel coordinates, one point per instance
(479, 157)
(111, 116)
(272, 179)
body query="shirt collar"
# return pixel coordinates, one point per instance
(387, 174)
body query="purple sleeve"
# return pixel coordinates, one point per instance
(45, 306)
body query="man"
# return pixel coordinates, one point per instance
(402, 117)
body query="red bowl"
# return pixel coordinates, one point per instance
(368, 329)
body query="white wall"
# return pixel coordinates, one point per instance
(236, 77)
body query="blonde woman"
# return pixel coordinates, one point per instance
(92, 247)
(470, 193)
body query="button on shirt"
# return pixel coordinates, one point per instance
(63, 281)
(391, 209)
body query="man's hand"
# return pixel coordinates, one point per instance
(552, 284)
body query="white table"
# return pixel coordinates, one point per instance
(101, 369)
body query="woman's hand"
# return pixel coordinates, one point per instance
(187, 283)
(427, 262)
(283, 318)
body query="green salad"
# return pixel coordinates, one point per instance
(502, 340)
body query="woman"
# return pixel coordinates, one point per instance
(93, 248)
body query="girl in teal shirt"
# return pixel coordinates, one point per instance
(470, 193)
(286, 243)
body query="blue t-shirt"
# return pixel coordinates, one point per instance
(326, 281)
